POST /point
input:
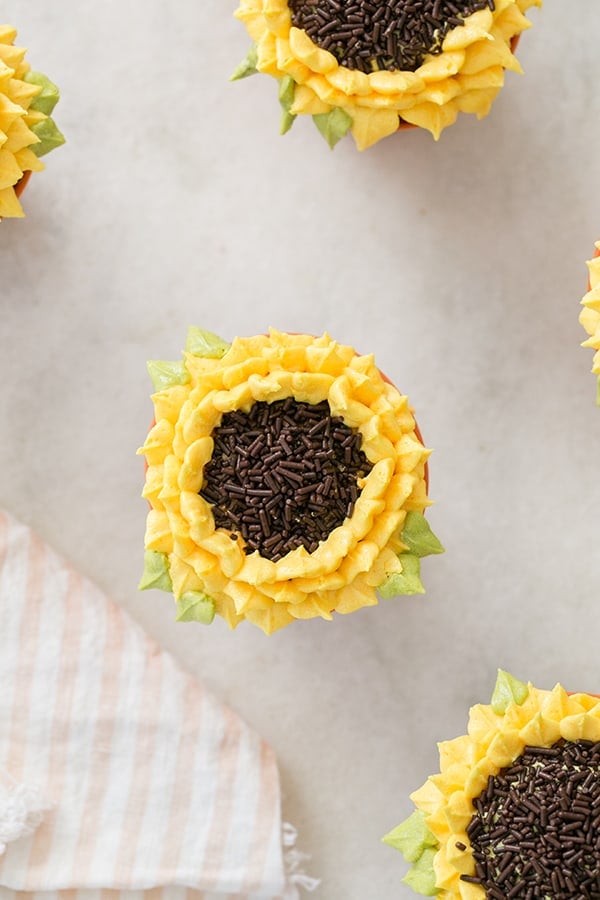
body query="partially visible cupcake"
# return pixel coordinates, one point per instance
(370, 68)
(514, 812)
(27, 130)
(590, 314)
(286, 479)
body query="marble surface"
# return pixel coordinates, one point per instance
(460, 264)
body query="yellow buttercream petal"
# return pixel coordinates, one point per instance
(443, 66)
(582, 727)
(476, 28)
(355, 596)
(540, 732)
(277, 16)
(371, 125)
(306, 102)
(158, 532)
(351, 82)
(485, 54)
(455, 751)
(590, 314)
(459, 812)
(432, 116)
(490, 78)
(316, 59)
(10, 170)
(468, 891)
(266, 54)
(477, 102)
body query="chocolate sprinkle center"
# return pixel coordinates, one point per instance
(283, 475)
(536, 832)
(371, 35)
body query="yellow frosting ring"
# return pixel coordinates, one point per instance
(466, 76)
(492, 743)
(342, 574)
(590, 314)
(16, 119)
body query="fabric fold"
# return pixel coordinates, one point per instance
(156, 788)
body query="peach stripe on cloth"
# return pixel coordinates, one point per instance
(121, 778)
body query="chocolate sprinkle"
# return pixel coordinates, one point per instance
(283, 475)
(371, 35)
(536, 832)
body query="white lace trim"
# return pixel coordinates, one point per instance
(22, 810)
(293, 860)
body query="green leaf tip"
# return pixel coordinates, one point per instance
(49, 135)
(406, 582)
(508, 690)
(418, 536)
(49, 95)
(333, 125)
(194, 606)
(205, 344)
(418, 846)
(247, 66)
(156, 572)
(287, 90)
(411, 837)
(165, 374)
(421, 876)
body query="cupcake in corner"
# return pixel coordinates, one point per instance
(590, 314)
(515, 810)
(27, 130)
(370, 68)
(286, 478)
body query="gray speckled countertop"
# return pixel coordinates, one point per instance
(460, 264)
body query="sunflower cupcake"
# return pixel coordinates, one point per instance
(515, 809)
(369, 68)
(286, 479)
(27, 130)
(590, 314)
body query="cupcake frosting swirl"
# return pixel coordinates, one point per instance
(378, 545)
(435, 839)
(27, 130)
(464, 77)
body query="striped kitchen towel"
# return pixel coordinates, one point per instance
(121, 778)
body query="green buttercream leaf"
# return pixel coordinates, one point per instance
(49, 135)
(287, 89)
(287, 120)
(165, 374)
(205, 343)
(508, 690)
(247, 66)
(333, 125)
(193, 606)
(156, 572)
(49, 95)
(408, 581)
(421, 877)
(411, 837)
(418, 536)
